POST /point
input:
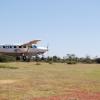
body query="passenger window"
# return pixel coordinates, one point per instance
(20, 46)
(24, 46)
(30, 46)
(15, 47)
(10, 47)
(3, 46)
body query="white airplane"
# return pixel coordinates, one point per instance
(24, 51)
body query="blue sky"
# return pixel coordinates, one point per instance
(68, 26)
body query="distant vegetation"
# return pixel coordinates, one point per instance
(68, 59)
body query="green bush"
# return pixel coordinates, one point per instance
(97, 60)
(71, 62)
(5, 58)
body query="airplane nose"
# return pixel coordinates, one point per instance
(43, 48)
(46, 49)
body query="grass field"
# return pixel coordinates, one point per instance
(24, 81)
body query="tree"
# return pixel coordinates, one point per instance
(71, 59)
(97, 60)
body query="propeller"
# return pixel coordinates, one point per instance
(48, 47)
(47, 54)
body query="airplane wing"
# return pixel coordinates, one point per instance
(31, 42)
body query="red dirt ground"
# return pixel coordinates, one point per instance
(73, 95)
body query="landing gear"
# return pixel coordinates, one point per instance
(43, 58)
(23, 58)
(26, 58)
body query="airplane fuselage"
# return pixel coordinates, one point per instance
(20, 50)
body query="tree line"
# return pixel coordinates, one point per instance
(68, 59)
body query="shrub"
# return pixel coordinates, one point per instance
(5, 58)
(97, 60)
(71, 62)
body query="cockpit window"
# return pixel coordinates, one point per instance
(34, 46)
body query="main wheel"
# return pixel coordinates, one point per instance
(24, 58)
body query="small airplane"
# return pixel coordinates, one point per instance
(24, 51)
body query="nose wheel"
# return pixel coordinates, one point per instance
(42, 58)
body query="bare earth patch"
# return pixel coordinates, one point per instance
(7, 81)
(73, 95)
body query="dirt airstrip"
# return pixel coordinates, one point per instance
(7, 81)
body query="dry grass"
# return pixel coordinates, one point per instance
(46, 79)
